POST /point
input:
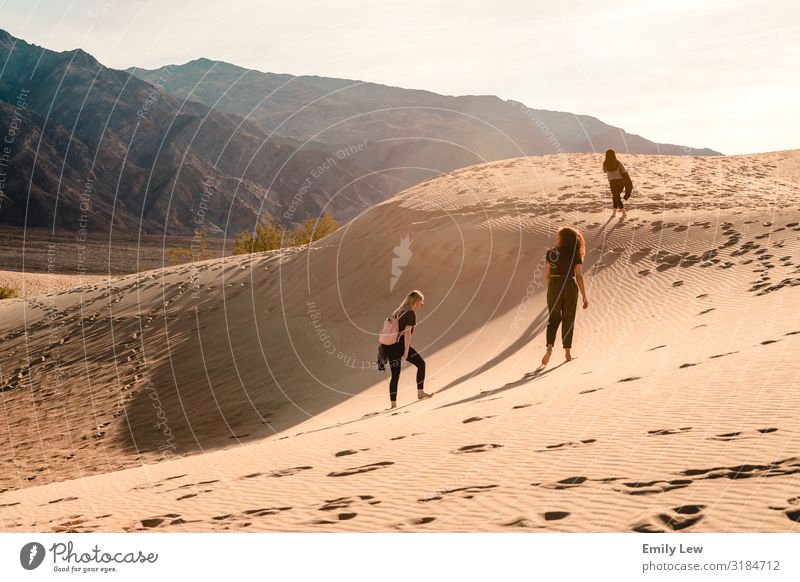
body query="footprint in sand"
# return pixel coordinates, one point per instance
(791, 509)
(568, 483)
(362, 469)
(290, 471)
(240, 520)
(555, 515)
(343, 506)
(404, 436)
(657, 348)
(523, 523)
(481, 448)
(677, 519)
(61, 500)
(166, 519)
(589, 391)
(737, 436)
(520, 406)
(668, 431)
(194, 487)
(790, 466)
(476, 419)
(640, 254)
(419, 521)
(652, 487)
(160, 483)
(630, 379)
(569, 445)
(342, 503)
(723, 355)
(251, 476)
(349, 452)
(461, 492)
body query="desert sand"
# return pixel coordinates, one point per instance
(238, 393)
(28, 284)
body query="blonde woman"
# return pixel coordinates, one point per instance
(564, 274)
(406, 315)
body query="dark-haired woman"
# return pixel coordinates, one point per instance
(564, 274)
(618, 180)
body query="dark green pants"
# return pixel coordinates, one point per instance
(562, 303)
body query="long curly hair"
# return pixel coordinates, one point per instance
(611, 163)
(570, 241)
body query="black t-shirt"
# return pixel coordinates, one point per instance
(562, 262)
(409, 318)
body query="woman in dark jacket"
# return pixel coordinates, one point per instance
(564, 274)
(619, 180)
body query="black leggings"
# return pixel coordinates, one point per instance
(395, 352)
(617, 186)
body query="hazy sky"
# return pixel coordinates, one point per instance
(723, 74)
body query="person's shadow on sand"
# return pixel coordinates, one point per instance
(526, 379)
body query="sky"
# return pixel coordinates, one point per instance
(722, 74)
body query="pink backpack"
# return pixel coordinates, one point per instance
(390, 334)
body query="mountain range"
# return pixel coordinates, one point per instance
(213, 146)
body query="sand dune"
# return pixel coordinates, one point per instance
(32, 284)
(679, 413)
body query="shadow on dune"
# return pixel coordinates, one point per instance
(526, 379)
(530, 333)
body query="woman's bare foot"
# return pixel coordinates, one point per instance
(422, 395)
(624, 215)
(394, 405)
(567, 355)
(546, 357)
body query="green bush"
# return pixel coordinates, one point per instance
(270, 236)
(7, 292)
(180, 255)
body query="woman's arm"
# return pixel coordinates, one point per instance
(581, 286)
(547, 271)
(407, 336)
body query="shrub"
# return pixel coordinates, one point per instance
(199, 251)
(267, 237)
(270, 236)
(314, 229)
(7, 292)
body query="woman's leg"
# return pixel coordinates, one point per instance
(394, 367)
(554, 297)
(569, 306)
(617, 186)
(415, 359)
(554, 315)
